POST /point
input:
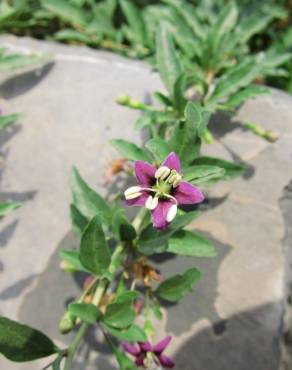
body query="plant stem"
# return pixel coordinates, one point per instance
(74, 345)
(137, 222)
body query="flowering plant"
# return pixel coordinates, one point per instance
(124, 292)
(124, 288)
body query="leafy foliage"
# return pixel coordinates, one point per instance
(174, 288)
(21, 343)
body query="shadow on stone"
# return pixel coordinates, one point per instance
(201, 304)
(16, 289)
(18, 196)
(249, 341)
(221, 123)
(6, 233)
(23, 82)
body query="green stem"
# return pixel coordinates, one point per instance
(268, 135)
(74, 345)
(138, 220)
(207, 136)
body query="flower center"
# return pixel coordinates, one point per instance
(162, 187)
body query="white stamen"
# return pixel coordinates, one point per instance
(171, 213)
(133, 192)
(171, 178)
(151, 203)
(133, 196)
(171, 197)
(176, 181)
(162, 172)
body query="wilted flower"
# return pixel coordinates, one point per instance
(117, 166)
(142, 270)
(162, 190)
(147, 354)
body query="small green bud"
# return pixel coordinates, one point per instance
(67, 267)
(207, 137)
(271, 136)
(67, 323)
(123, 99)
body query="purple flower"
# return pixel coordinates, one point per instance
(147, 354)
(162, 190)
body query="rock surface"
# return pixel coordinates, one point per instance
(234, 318)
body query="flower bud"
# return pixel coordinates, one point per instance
(67, 323)
(151, 203)
(133, 192)
(171, 213)
(271, 136)
(67, 267)
(123, 99)
(162, 173)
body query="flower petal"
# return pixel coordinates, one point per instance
(172, 161)
(140, 360)
(186, 193)
(160, 212)
(166, 361)
(139, 201)
(145, 173)
(160, 346)
(131, 348)
(145, 346)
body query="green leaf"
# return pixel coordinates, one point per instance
(193, 115)
(179, 98)
(232, 169)
(79, 222)
(162, 99)
(8, 120)
(153, 241)
(120, 313)
(251, 25)
(144, 120)
(6, 208)
(174, 288)
(238, 77)
(15, 61)
(135, 20)
(121, 227)
(57, 363)
(94, 251)
(72, 35)
(86, 312)
(183, 34)
(73, 258)
(159, 148)
(186, 140)
(245, 94)
(226, 20)
(124, 362)
(202, 174)
(67, 11)
(130, 150)
(190, 14)
(167, 61)
(131, 334)
(88, 202)
(188, 243)
(22, 343)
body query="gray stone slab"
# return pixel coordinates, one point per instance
(234, 318)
